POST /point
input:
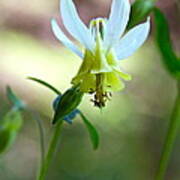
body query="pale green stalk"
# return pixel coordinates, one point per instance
(38, 121)
(52, 146)
(41, 135)
(170, 138)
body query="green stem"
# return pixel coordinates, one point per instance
(170, 138)
(41, 136)
(38, 121)
(50, 153)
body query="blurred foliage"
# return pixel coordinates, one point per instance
(17, 103)
(172, 64)
(164, 43)
(9, 128)
(11, 123)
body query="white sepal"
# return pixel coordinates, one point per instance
(132, 40)
(62, 37)
(74, 25)
(117, 22)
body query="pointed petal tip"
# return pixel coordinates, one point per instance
(147, 25)
(148, 18)
(137, 36)
(75, 25)
(147, 22)
(53, 21)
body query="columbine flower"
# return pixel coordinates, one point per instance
(104, 44)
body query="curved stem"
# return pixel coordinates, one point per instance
(41, 135)
(50, 153)
(170, 138)
(38, 121)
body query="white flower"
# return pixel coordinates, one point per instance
(104, 44)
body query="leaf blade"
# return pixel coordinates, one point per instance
(42, 82)
(94, 136)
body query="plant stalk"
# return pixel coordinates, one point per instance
(51, 150)
(170, 138)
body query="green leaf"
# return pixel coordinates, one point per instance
(45, 84)
(14, 99)
(9, 128)
(94, 136)
(140, 10)
(6, 139)
(172, 63)
(12, 120)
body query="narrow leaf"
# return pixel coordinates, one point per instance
(45, 84)
(164, 43)
(14, 99)
(94, 136)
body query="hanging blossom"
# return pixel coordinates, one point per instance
(105, 45)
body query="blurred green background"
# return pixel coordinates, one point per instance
(132, 127)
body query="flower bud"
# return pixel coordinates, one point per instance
(68, 118)
(67, 103)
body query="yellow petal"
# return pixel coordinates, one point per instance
(112, 82)
(87, 63)
(123, 75)
(88, 83)
(112, 61)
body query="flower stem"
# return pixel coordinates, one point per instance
(41, 135)
(170, 138)
(38, 121)
(52, 146)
